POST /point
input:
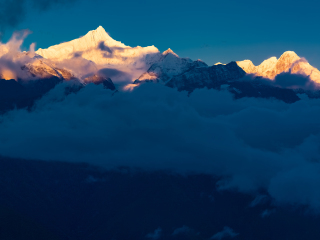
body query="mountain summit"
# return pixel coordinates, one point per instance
(86, 43)
(169, 51)
(288, 62)
(99, 48)
(169, 65)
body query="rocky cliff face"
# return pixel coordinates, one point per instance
(27, 66)
(43, 68)
(288, 62)
(96, 79)
(210, 77)
(169, 65)
(186, 75)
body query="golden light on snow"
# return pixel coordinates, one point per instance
(130, 87)
(289, 61)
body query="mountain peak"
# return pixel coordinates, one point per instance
(99, 31)
(169, 51)
(288, 62)
(291, 55)
(272, 59)
(100, 28)
(98, 34)
(247, 66)
(246, 61)
(84, 44)
(268, 63)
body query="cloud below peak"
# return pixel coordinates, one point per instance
(250, 143)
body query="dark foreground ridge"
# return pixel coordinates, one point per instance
(55, 200)
(23, 94)
(16, 94)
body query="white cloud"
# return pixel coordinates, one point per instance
(250, 143)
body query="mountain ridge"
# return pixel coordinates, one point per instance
(98, 58)
(169, 65)
(289, 61)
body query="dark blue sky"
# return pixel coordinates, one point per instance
(207, 29)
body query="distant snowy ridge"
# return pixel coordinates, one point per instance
(168, 66)
(44, 68)
(210, 77)
(148, 64)
(288, 62)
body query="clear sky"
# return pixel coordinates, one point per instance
(211, 30)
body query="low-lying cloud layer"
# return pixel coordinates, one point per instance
(286, 80)
(252, 143)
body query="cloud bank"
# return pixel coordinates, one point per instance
(250, 143)
(286, 80)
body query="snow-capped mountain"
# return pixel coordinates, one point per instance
(288, 62)
(44, 68)
(187, 75)
(210, 77)
(98, 47)
(26, 77)
(229, 77)
(30, 66)
(99, 59)
(169, 65)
